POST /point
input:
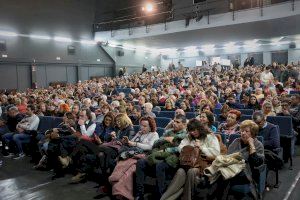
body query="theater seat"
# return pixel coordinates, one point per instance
(162, 122)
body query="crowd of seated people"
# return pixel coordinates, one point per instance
(97, 132)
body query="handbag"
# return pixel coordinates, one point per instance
(192, 157)
(189, 157)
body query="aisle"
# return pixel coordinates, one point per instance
(18, 181)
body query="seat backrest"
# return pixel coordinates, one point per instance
(46, 123)
(245, 117)
(261, 139)
(232, 137)
(56, 121)
(167, 114)
(162, 121)
(160, 131)
(285, 124)
(190, 115)
(136, 128)
(246, 111)
(217, 111)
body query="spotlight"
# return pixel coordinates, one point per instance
(148, 7)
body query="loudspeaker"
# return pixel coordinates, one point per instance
(71, 50)
(120, 53)
(292, 45)
(2, 46)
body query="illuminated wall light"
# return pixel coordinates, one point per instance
(42, 37)
(148, 7)
(62, 39)
(8, 34)
(88, 42)
(4, 56)
(98, 60)
(58, 58)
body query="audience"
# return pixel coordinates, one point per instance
(99, 118)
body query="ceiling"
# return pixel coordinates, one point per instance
(262, 30)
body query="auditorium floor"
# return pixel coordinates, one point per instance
(18, 181)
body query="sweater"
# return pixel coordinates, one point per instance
(29, 123)
(271, 136)
(209, 146)
(145, 141)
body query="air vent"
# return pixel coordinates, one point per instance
(71, 50)
(2, 46)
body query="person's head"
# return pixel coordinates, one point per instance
(85, 114)
(224, 110)
(109, 120)
(253, 100)
(231, 99)
(183, 105)
(75, 108)
(30, 110)
(42, 107)
(207, 118)
(205, 107)
(148, 107)
(275, 101)
(147, 124)
(179, 123)
(179, 112)
(67, 116)
(115, 104)
(122, 121)
(259, 118)
(295, 100)
(142, 100)
(105, 108)
(169, 104)
(248, 128)
(87, 102)
(285, 105)
(197, 130)
(13, 111)
(233, 117)
(267, 107)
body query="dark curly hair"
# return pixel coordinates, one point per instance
(151, 122)
(196, 125)
(210, 117)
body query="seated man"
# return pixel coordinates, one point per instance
(10, 124)
(161, 170)
(23, 131)
(268, 131)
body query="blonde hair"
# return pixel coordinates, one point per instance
(125, 121)
(252, 125)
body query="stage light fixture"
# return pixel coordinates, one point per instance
(148, 7)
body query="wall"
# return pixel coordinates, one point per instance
(133, 60)
(188, 59)
(67, 18)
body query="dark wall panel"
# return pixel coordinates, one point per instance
(96, 71)
(72, 74)
(83, 73)
(8, 78)
(56, 73)
(24, 77)
(41, 76)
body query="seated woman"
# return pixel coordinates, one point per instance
(169, 105)
(207, 119)
(232, 123)
(185, 106)
(122, 183)
(198, 136)
(224, 112)
(106, 127)
(267, 109)
(253, 103)
(85, 154)
(252, 152)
